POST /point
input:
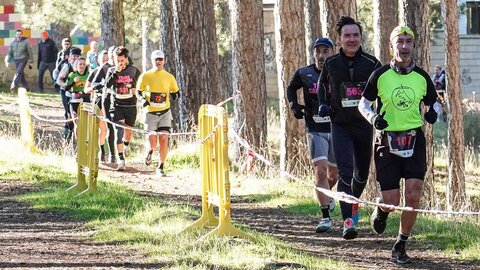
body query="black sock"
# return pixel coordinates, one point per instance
(102, 149)
(382, 214)
(126, 143)
(150, 152)
(160, 166)
(401, 241)
(120, 156)
(325, 211)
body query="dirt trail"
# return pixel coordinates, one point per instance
(34, 239)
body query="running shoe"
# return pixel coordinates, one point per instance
(400, 256)
(121, 165)
(349, 231)
(378, 225)
(324, 225)
(331, 205)
(113, 159)
(355, 214)
(161, 172)
(148, 158)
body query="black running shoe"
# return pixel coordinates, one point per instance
(400, 257)
(378, 225)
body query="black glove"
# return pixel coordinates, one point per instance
(379, 123)
(174, 96)
(431, 115)
(324, 110)
(297, 110)
(97, 86)
(146, 103)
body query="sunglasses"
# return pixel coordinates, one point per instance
(158, 59)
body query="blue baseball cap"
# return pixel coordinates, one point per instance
(323, 41)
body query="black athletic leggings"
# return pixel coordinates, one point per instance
(352, 146)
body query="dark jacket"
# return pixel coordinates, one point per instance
(47, 52)
(341, 73)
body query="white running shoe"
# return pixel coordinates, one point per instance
(121, 165)
(324, 225)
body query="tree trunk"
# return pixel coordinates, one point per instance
(313, 26)
(415, 15)
(456, 152)
(59, 32)
(224, 34)
(249, 70)
(290, 48)
(385, 18)
(196, 57)
(331, 11)
(168, 47)
(112, 23)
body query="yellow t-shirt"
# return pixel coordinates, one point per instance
(156, 86)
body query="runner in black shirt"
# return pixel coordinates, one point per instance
(318, 128)
(341, 85)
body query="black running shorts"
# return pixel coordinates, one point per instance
(129, 114)
(391, 168)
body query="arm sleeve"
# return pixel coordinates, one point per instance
(30, 53)
(323, 94)
(365, 108)
(109, 80)
(295, 84)
(371, 89)
(431, 94)
(39, 57)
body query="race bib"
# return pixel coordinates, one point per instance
(318, 119)
(351, 92)
(158, 100)
(402, 143)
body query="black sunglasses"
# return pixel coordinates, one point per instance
(159, 59)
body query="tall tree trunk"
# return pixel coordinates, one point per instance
(313, 26)
(196, 57)
(332, 10)
(456, 152)
(112, 23)
(415, 15)
(249, 70)
(59, 32)
(224, 34)
(385, 18)
(290, 48)
(167, 45)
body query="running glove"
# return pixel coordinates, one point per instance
(379, 123)
(146, 103)
(174, 96)
(431, 115)
(297, 110)
(324, 110)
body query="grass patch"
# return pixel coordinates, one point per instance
(116, 214)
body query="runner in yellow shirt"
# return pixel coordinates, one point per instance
(158, 88)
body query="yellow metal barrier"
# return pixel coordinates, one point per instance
(87, 149)
(214, 165)
(26, 127)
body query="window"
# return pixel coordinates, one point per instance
(473, 18)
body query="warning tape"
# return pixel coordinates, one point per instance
(342, 196)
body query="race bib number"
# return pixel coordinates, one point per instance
(351, 93)
(402, 143)
(158, 99)
(318, 119)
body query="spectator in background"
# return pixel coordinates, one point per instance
(47, 56)
(63, 54)
(19, 52)
(92, 56)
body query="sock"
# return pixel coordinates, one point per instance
(102, 149)
(401, 241)
(325, 211)
(120, 156)
(126, 143)
(382, 214)
(160, 166)
(150, 152)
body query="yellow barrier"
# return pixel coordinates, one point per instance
(214, 165)
(26, 127)
(87, 149)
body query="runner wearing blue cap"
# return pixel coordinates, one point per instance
(318, 128)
